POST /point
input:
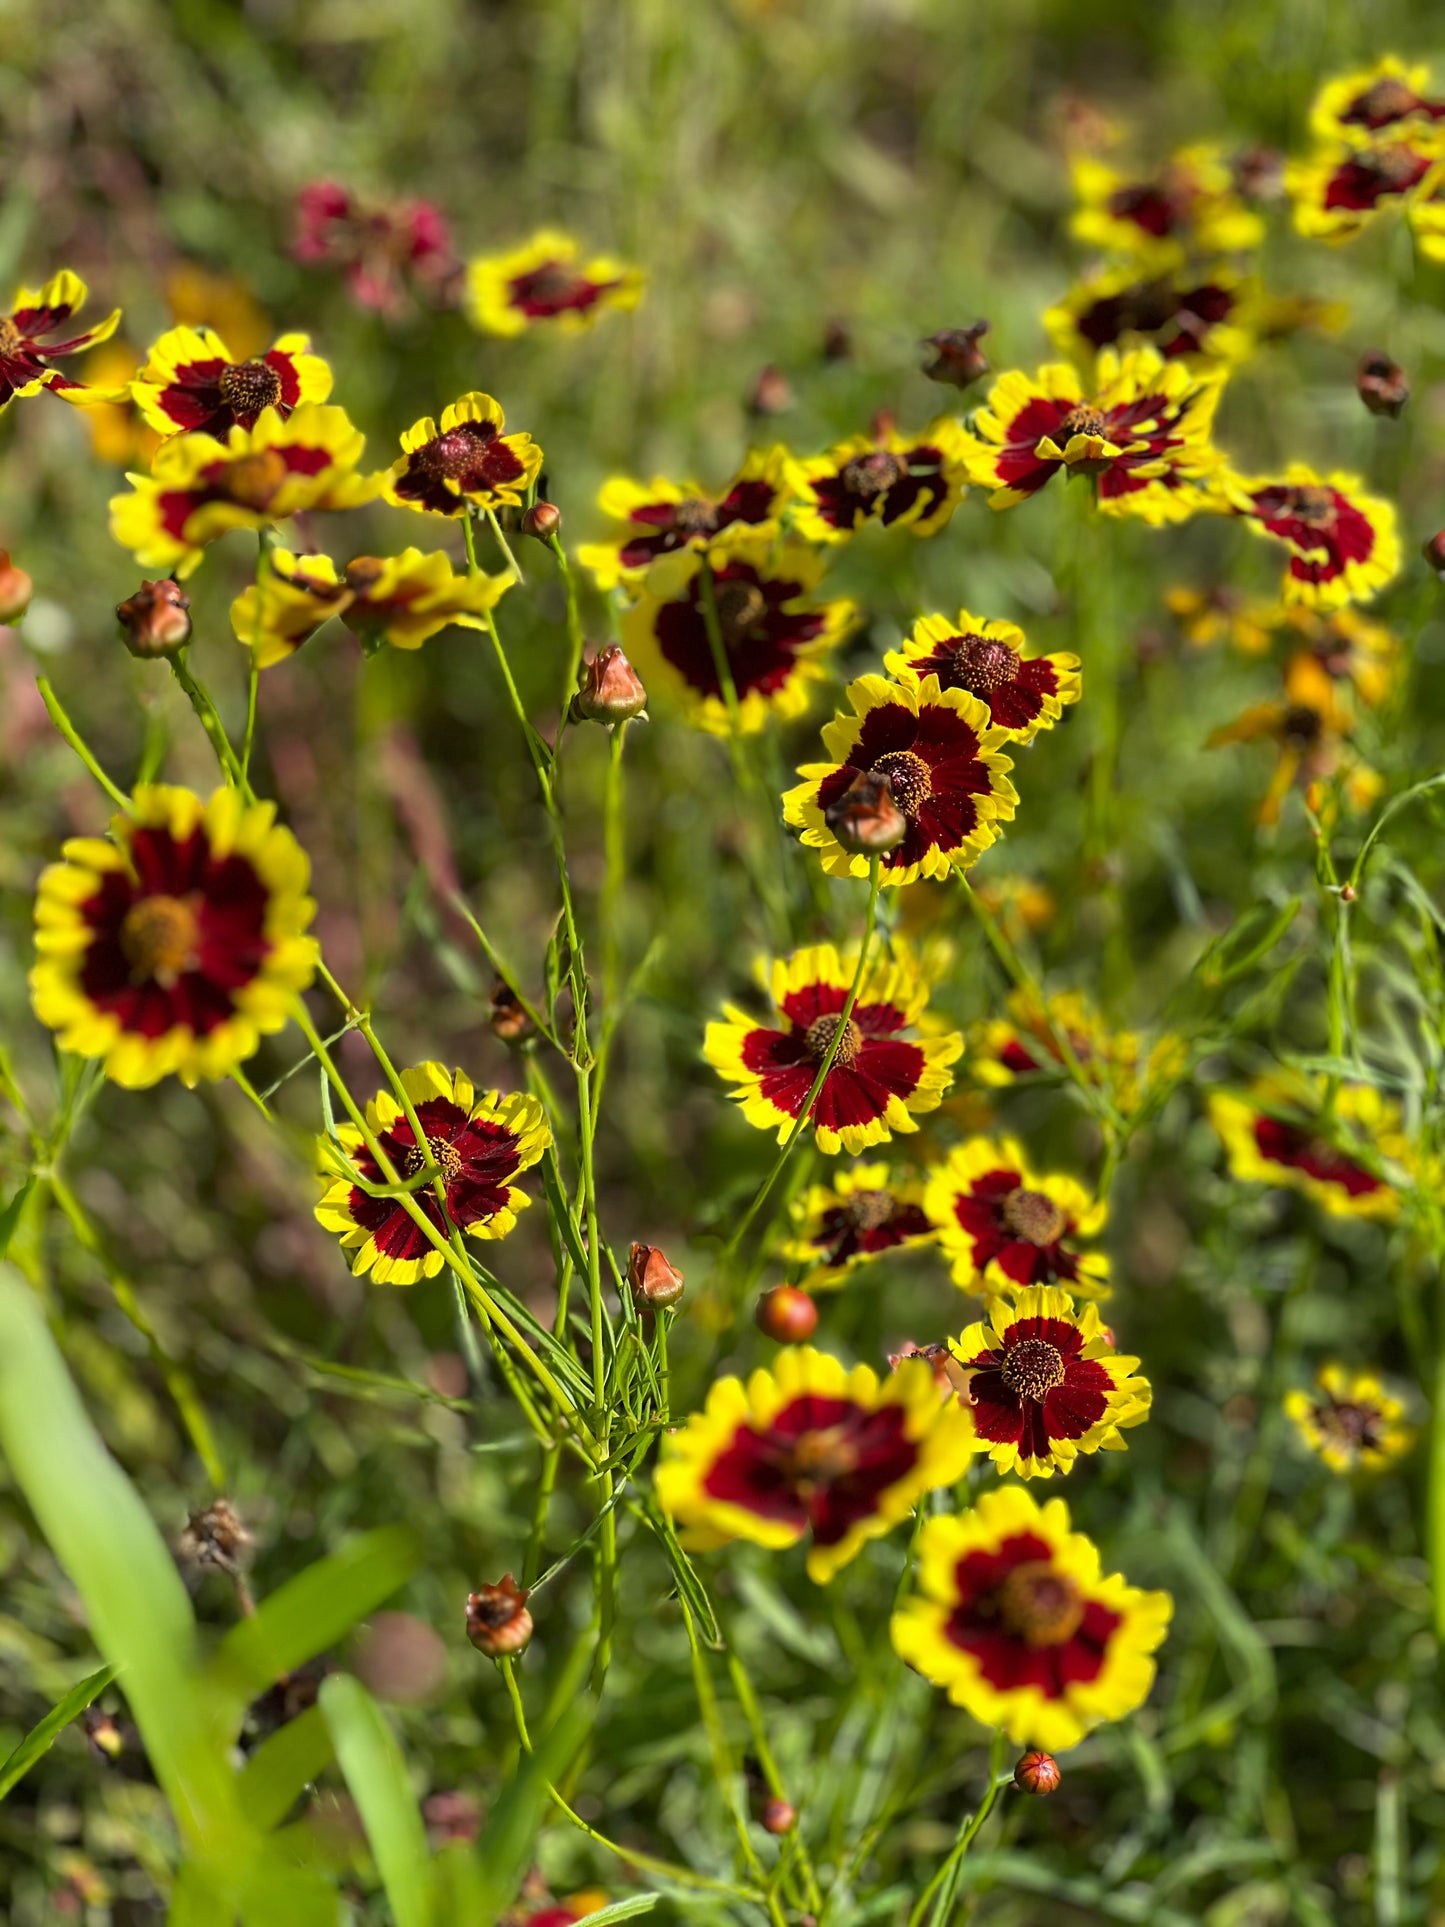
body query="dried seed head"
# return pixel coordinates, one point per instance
(865, 818)
(654, 1281)
(509, 1021)
(1381, 384)
(778, 1816)
(215, 1539)
(498, 1623)
(957, 358)
(15, 590)
(1037, 1773)
(772, 393)
(542, 520)
(156, 620)
(787, 1314)
(609, 690)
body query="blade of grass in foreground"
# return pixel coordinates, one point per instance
(39, 1740)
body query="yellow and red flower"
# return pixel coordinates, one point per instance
(190, 382)
(1310, 725)
(1023, 694)
(812, 1446)
(174, 945)
(1191, 205)
(914, 481)
(544, 283)
(478, 1145)
(858, 1216)
(1015, 1619)
(1342, 190)
(658, 517)
(1025, 1043)
(1143, 434)
(1350, 1420)
(1349, 648)
(1181, 313)
(1044, 1383)
(466, 458)
(26, 352)
(1282, 1133)
(200, 488)
(1343, 545)
(401, 599)
(880, 1078)
(1359, 107)
(945, 769)
(1004, 1227)
(772, 635)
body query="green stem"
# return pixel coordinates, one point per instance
(574, 631)
(72, 736)
(504, 545)
(210, 721)
(940, 1890)
(614, 844)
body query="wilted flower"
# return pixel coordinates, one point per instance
(957, 360)
(498, 1623)
(215, 1538)
(156, 620)
(609, 689)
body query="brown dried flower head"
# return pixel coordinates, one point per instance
(156, 620)
(215, 1539)
(957, 358)
(498, 1623)
(1381, 384)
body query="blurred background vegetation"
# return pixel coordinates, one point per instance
(893, 167)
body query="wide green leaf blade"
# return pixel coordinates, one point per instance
(375, 1773)
(41, 1738)
(283, 1766)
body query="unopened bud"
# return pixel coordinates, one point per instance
(609, 689)
(772, 394)
(1434, 552)
(156, 620)
(654, 1281)
(778, 1816)
(957, 358)
(787, 1314)
(1381, 384)
(837, 341)
(15, 590)
(507, 1016)
(1348, 893)
(498, 1623)
(1037, 1773)
(543, 519)
(864, 818)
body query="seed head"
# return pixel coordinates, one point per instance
(542, 520)
(654, 1281)
(865, 818)
(957, 360)
(156, 620)
(1037, 1773)
(15, 590)
(609, 690)
(787, 1314)
(215, 1538)
(1381, 384)
(498, 1623)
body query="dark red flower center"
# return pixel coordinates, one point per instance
(1039, 1605)
(453, 456)
(820, 1034)
(982, 665)
(160, 936)
(439, 1151)
(909, 778)
(872, 474)
(249, 386)
(1032, 1368)
(694, 516)
(1351, 1427)
(868, 1210)
(741, 607)
(1033, 1216)
(1386, 100)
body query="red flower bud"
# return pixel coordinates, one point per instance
(543, 519)
(957, 358)
(653, 1280)
(498, 1623)
(1037, 1773)
(865, 819)
(156, 620)
(15, 590)
(787, 1314)
(609, 689)
(1381, 384)
(778, 1816)
(1434, 552)
(837, 341)
(772, 393)
(509, 1021)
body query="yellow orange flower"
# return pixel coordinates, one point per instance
(1016, 1620)
(1309, 724)
(1023, 694)
(1190, 205)
(1004, 1227)
(812, 1446)
(1350, 1420)
(190, 381)
(401, 599)
(880, 1078)
(659, 517)
(913, 481)
(1343, 545)
(174, 945)
(464, 458)
(544, 283)
(1281, 1133)
(859, 1215)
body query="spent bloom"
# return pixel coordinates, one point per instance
(811, 1446)
(1350, 1420)
(545, 283)
(1023, 694)
(465, 458)
(1280, 1132)
(857, 1216)
(400, 599)
(655, 518)
(191, 382)
(1004, 1226)
(26, 347)
(1015, 1618)
(882, 1075)
(173, 945)
(912, 480)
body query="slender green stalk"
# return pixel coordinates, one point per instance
(504, 545)
(72, 735)
(724, 1767)
(574, 630)
(210, 720)
(614, 845)
(941, 1889)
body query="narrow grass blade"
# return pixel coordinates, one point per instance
(39, 1740)
(375, 1772)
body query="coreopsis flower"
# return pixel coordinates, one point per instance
(1024, 1043)
(1309, 726)
(859, 1215)
(479, 1146)
(1003, 1226)
(1359, 107)
(943, 760)
(1280, 1132)
(545, 283)
(1023, 694)
(1143, 434)
(1339, 192)
(1343, 545)
(1044, 1383)
(1350, 1420)
(378, 249)
(26, 350)
(882, 1075)
(813, 1446)
(911, 480)
(1219, 613)
(191, 382)
(1179, 312)
(201, 487)
(401, 599)
(773, 635)
(1015, 1619)
(655, 518)
(1190, 205)
(175, 944)
(466, 458)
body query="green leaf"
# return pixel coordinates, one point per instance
(312, 1611)
(506, 1847)
(620, 1910)
(10, 1217)
(41, 1738)
(283, 1766)
(375, 1772)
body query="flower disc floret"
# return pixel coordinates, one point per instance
(190, 382)
(545, 284)
(172, 946)
(1016, 1621)
(1023, 694)
(478, 1145)
(811, 1447)
(912, 481)
(464, 458)
(1004, 1227)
